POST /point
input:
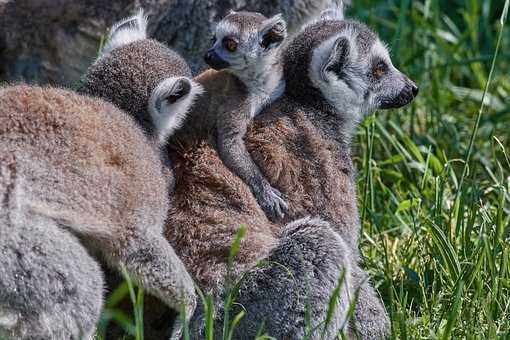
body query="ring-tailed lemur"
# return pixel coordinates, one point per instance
(336, 71)
(78, 177)
(246, 76)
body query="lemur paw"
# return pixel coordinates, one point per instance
(272, 202)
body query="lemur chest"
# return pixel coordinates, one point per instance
(261, 96)
(257, 102)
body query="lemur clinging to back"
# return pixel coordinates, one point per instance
(246, 76)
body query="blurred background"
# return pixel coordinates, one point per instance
(434, 180)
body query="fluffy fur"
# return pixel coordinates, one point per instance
(169, 115)
(136, 73)
(126, 31)
(71, 189)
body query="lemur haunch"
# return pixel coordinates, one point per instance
(70, 188)
(246, 77)
(78, 177)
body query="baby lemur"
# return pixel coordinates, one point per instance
(246, 76)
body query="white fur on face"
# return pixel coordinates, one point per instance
(226, 29)
(347, 99)
(381, 50)
(169, 117)
(126, 31)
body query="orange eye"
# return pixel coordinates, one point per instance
(380, 70)
(230, 44)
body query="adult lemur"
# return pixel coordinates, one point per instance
(335, 72)
(78, 177)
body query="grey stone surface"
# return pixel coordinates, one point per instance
(54, 41)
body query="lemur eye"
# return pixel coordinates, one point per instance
(380, 69)
(230, 44)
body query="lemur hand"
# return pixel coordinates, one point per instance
(272, 202)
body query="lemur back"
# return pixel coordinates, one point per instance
(246, 76)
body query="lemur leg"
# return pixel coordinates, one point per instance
(288, 295)
(50, 287)
(370, 319)
(151, 261)
(235, 156)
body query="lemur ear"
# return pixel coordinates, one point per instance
(273, 32)
(169, 104)
(126, 31)
(335, 12)
(338, 57)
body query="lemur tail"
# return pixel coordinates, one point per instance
(126, 31)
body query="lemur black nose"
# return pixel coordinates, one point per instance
(415, 90)
(208, 56)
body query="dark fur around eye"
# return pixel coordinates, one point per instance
(213, 40)
(229, 44)
(380, 69)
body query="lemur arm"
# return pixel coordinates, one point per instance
(233, 153)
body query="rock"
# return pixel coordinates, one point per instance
(54, 41)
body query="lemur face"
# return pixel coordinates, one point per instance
(245, 39)
(353, 70)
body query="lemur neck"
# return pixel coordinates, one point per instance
(336, 126)
(264, 84)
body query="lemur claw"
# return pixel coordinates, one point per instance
(272, 202)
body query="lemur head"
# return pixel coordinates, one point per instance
(343, 65)
(143, 77)
(246, 40)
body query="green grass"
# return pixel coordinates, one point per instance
(434, 178)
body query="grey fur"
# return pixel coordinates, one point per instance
(71, 188)
(295, 281)
(142, 77)
(50, 287)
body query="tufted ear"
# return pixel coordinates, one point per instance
(169, 104)
(273, 32)
(338, 57)
(335, 12)
(126, 31)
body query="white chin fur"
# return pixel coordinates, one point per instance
(126, 31)
(170, 116)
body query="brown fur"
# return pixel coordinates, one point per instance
(210, 203)
(87, 139)
(314, 173)
(208, 207)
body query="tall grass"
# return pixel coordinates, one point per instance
(434, 179)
